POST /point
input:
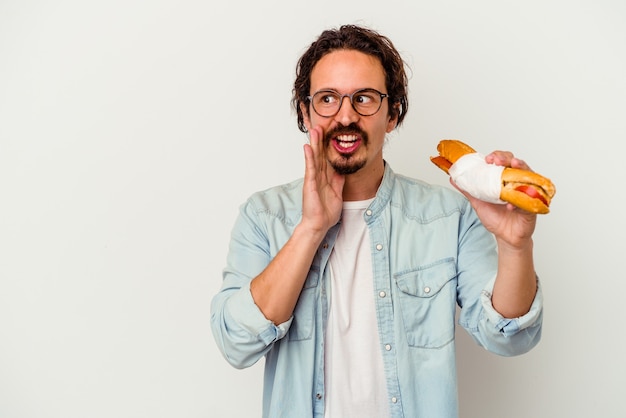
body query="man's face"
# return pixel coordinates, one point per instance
(351, 141)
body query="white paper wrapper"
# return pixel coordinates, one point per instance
(474, 175)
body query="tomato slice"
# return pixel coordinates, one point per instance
(532, 192)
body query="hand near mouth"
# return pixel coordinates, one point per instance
(322, 200)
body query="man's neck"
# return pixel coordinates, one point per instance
(363, 184)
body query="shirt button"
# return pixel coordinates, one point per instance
(368, 212)
(388, 347)
(382, 294)
(379, 247)
(325, 245)
(318, 396)
(394, 399)
(427, 289)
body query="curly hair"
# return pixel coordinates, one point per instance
(368, 41)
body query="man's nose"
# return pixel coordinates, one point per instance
(346, 114)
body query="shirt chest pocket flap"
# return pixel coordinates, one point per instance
(427, 299)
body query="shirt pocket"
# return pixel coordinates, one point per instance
(304, 312)
(427, 300)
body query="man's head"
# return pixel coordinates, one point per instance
(367, 41)
(351, 86)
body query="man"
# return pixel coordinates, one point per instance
(347, 281)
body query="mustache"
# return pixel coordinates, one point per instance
(345, 130)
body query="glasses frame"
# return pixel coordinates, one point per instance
(351, 97)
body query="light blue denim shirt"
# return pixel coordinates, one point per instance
(429, 253)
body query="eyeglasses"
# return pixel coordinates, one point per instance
(365, 102)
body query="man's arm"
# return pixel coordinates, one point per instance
(276, 290)
(516, 281)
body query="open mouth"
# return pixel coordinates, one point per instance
(346, 143)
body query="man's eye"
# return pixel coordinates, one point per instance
(363, 99)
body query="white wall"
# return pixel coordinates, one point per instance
(130, 131)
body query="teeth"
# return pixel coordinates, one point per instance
(346, 141)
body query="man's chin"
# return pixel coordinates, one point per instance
(345, 166)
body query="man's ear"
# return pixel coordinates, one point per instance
(393, 121)
(305, 116)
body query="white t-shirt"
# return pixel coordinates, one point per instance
(353, 364)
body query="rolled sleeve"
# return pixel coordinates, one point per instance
(511, 326)
(244, 312)
(241, 330)
(509, 336)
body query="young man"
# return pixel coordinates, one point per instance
(347, 281)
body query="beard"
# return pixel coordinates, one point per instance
(346, 163)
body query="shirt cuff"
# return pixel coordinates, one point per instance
(511, 326)
(253, 320)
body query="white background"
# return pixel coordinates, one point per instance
(130, 132)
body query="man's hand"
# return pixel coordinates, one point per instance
(322, 199)
(510, 225)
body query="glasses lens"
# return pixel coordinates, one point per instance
(328, 102)
(366, 102)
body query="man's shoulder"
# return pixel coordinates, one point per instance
(415, 186)
(284, 197)
(284, 190)
(419, 196)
